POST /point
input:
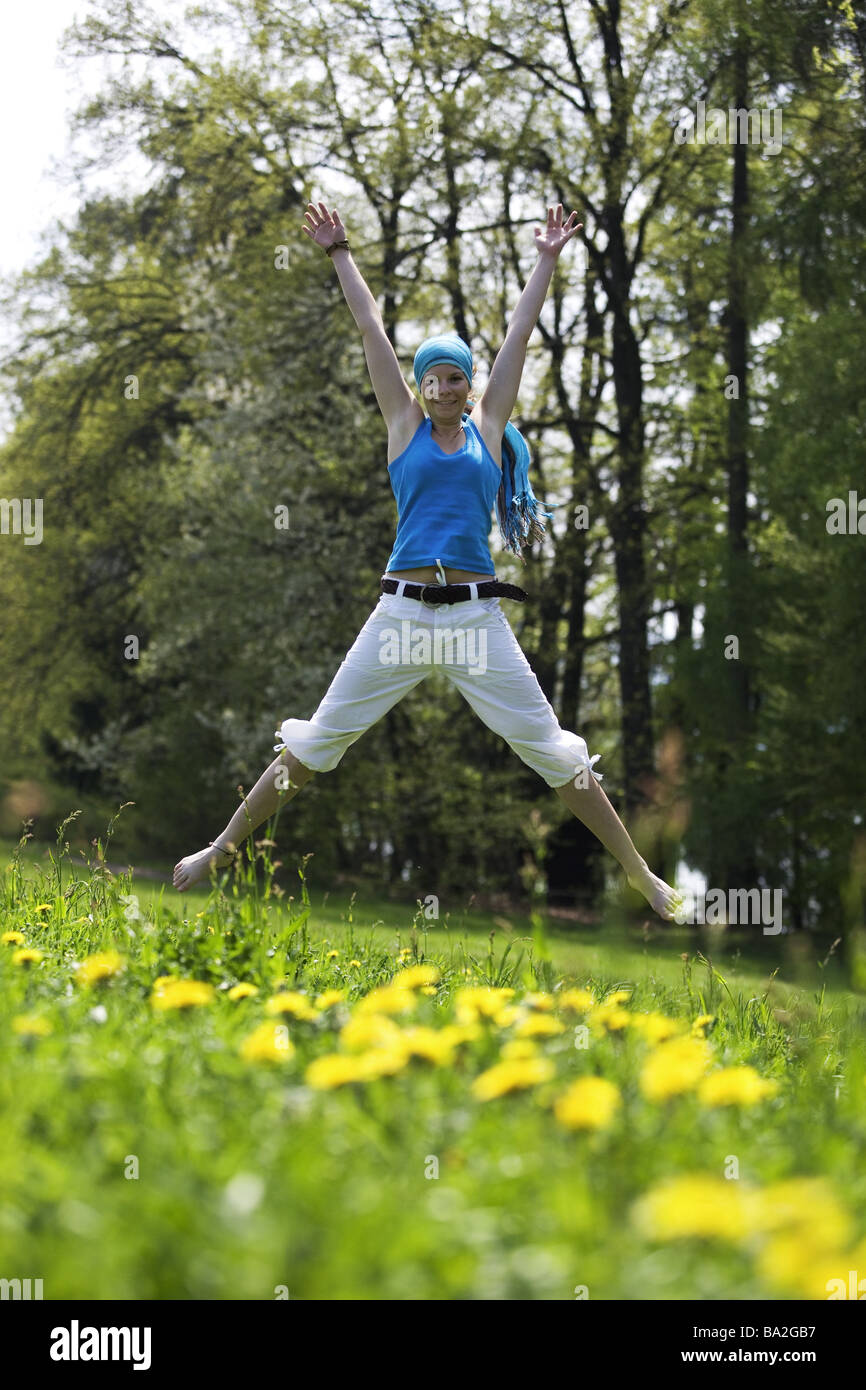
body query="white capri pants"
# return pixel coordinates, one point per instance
(474, 647)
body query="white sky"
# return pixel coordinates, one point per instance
(37, 98)
(39, 93)
(34, 96)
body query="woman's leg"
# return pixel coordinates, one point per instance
(591, 806)
(369, 681)
(267, 795)
(506, 695)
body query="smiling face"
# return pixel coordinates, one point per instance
(444, 390)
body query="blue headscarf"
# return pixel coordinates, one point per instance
(517, 506)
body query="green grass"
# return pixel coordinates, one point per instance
(145, 1157)
(626, 943)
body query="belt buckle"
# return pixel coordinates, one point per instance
(426, 602)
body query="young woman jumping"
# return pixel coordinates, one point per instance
(440, 595)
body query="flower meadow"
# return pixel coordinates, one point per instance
(228, 1105)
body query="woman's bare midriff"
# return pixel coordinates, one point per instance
(429, 575)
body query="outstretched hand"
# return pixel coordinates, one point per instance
(322, 227)
(551, 241)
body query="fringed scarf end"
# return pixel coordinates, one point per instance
(524, 523)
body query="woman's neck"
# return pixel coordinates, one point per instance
(449, 433)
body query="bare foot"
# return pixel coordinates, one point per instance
(661, 897)
(195, 866)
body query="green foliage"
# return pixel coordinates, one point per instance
(252, 394)
(145, 1155)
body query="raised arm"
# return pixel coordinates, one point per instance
(392, 393)
(500, 393)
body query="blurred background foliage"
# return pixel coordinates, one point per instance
(695, 383)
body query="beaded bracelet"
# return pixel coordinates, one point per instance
(343, 245)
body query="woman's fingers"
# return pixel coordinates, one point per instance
(555, 222)
(314, 213)
(557, 232)
(316, 217)
(554, 215)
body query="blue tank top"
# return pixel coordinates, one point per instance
(444, 502)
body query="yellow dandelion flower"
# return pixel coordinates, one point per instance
(807, 1205)
(735, 1086)
(355, 964)
(538, 1025)
(332, 955)
(243, 990)
(432, 1044)
(364, 1031)
(428, 989)
(382, 1061)
(27, 956)
(44, 907)
(30, 1025)
(513, 1075)
(656, 1027)
(291, 1002)
(577, 1000)
(387, 999)
(329, 998)
(482, 1002)
(539, 1000)
(415, 975)
(674, 1067)
(702, 1022)
(517, 1048)
(800, 1264)
(101, 966)
(588, 1103)
(182, 994)
(164, 980)
(462, 1032)
(12, 938)
(269, 1042)
(608, 1017)
(814, 1272)
(695, 1205)
(466, 1032)
(336, 1069)
(619, 996)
